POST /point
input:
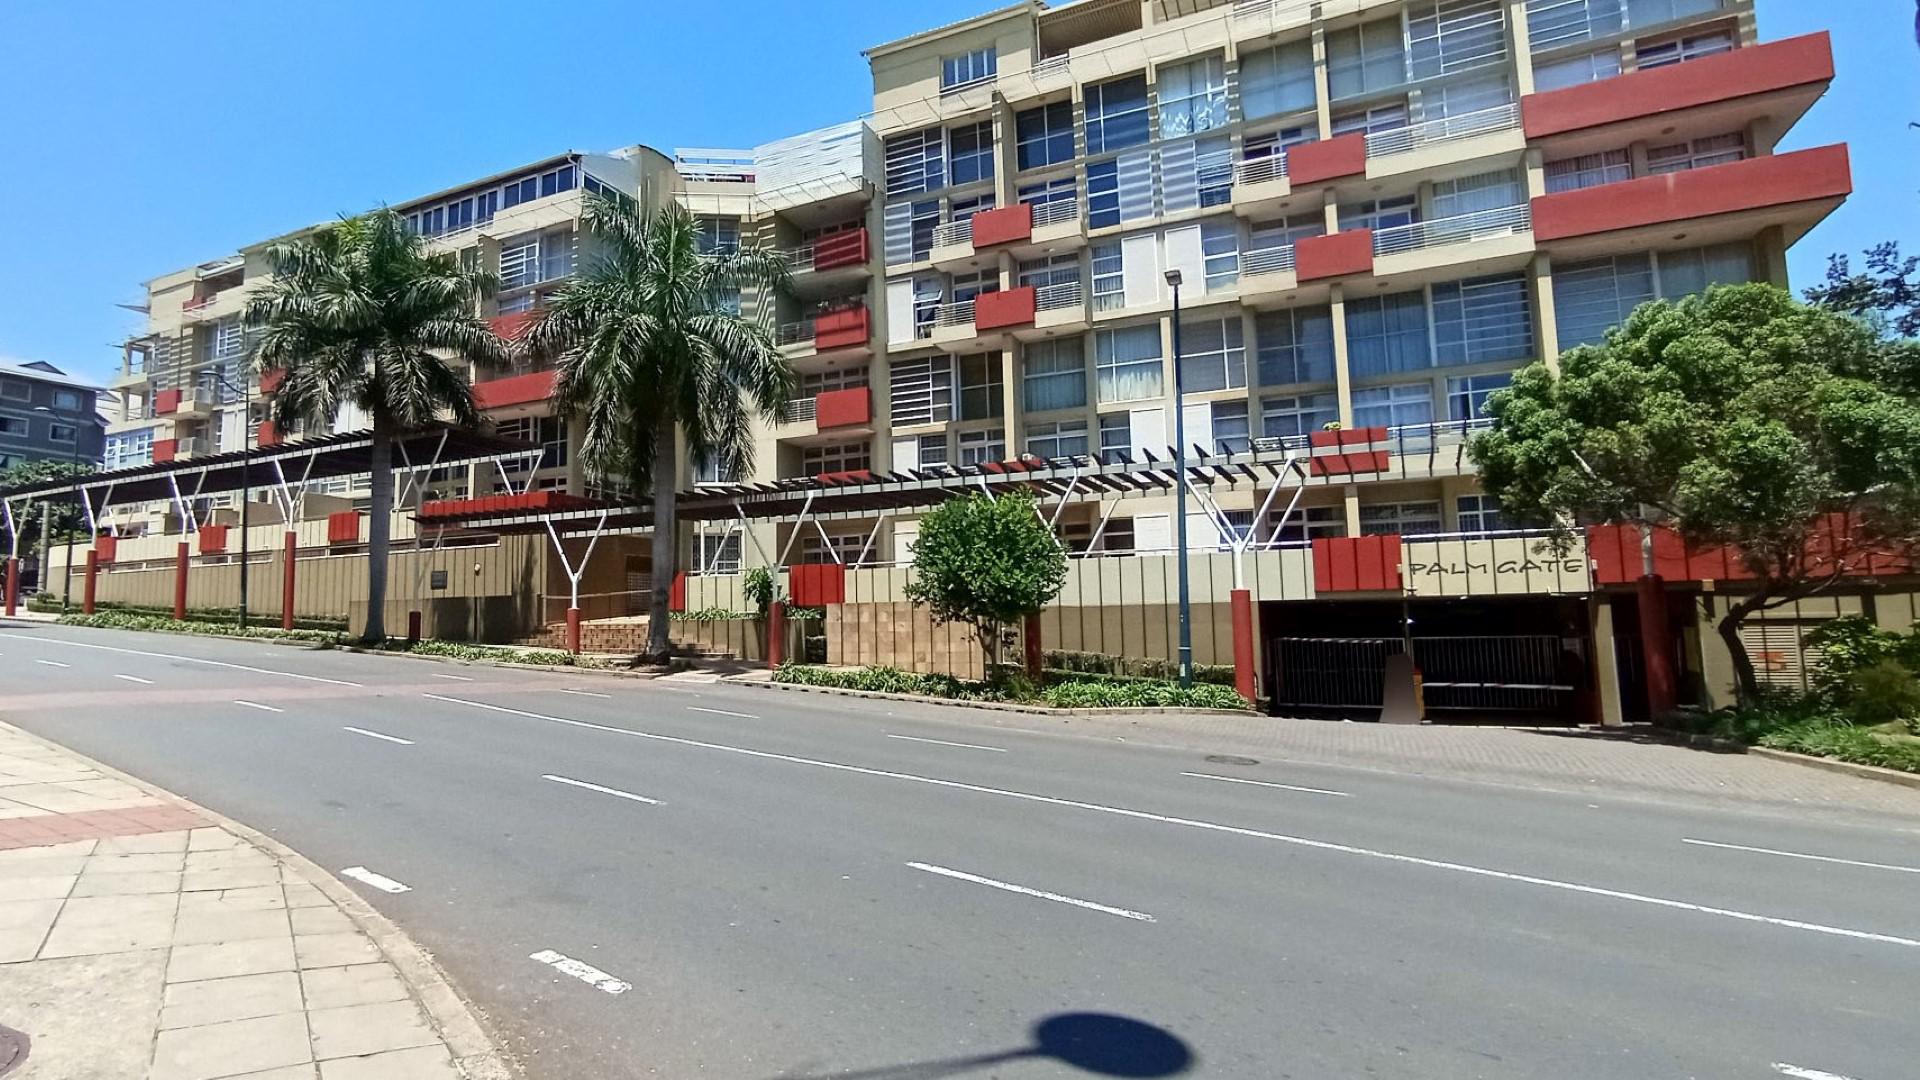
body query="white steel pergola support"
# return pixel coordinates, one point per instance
(860, 559)
(798, 524)
(574, 573)
(13, 529)
(1100, 529)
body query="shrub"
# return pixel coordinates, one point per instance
(1133, 667)
(886, 680)
(1885, 692)
(1140, 694)
(758, 587)
(123, 620)
(987, 563)
(1137, 694)
(462, 651)
(713, 614)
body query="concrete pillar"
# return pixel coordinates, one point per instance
(776, 633)
(1036, 655)
(573, 630)
(87, 588)
(1546, 319)
(1342, 375)
(13, 585)
(1656, 646)
(182, 558)
(1322, 90)
(1243, 645)
(1606, 664)
(1520, 46)
(286, 579)
(414, 621)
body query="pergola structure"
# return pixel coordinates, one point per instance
(287, 471)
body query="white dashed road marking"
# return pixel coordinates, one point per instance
(1785, 1069)
(377, 735)
(257, 705)
(52, 663)
(1265, 783)
(378, 881)
(1138, 916)
(585, 972)
(615, 792)
(1804, 855)
(135, 679)
(722, 712)
(943, 742)
(455, 678)
(182, 659)
(579, 693)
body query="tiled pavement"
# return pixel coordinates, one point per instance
(140, 939)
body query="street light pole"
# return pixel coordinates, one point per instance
(1180, 511)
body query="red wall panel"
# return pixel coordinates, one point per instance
(677, 593)
(514, 390)
(105, 547)
(343, 527)
(213, 539)
(512, 326)
(1780, 180)
(267, 434)
(1010, 307)
(840, 249)
(1617, 559)
(166, 401)
(1002, 226)
(1338, 255)
(1317, 162)
(1356, 564)
(842, 408)
(165, 450)
(817, 584)
(843, 329)
(1759, 69)
(271, 379)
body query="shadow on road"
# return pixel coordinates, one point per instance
(1095, 1043)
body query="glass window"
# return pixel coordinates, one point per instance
(1103, 194)
(1059, 269)
(980, 447)
(836, 458)
(1389, 117)
(1553, 23)
(1297, 417)
(1589, 170)
(1128, 362)
(13, 425)
(1294, 345)
(716, 235)
(1386, 334)
(1365, 58)
(1212, 171)
(1044, 136)
(933, 450)
(1277, 80)
(1220, 250)
(964, 209)
(1652, 12)
(1193, 96)
(1479, 514)
(1467, 397)
(915, 162)
(1231, 433)
(1590, 298)
(1117, 114)
(925, 222)
(1576, 70)
(980, 387)
(1455, 35)
(1054, 375)
(1401, 518)
(1466, 100)
(1286, 232)
(1683, 273)
(1109, 285)
(970, 152)
(920, 391)
(957, 72)
(1048, 192)
(62, 432)
(1698, 154)
(1068, 438)
(1680, 50)
(1481, 320)
(1472, 194)
(1116, 432)
(1306, 523)
(1213, 354)
(1402, 405)
(720, 553)
(1378, 214)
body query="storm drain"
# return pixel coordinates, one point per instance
(13, 1050)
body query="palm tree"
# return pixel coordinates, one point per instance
(359, 313)
(651, 348)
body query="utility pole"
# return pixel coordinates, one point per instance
(1180, 511)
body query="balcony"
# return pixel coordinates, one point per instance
(1341, 254)
(184, 404)
(838, 413)
(1794, 191)
(830, 263)
(1060, 308)
(514, 391)
(953, 246)
(1337, 158)
(1261, 185)
(1267, 272)
(223, 304)
(844, 329)
(1485, 133)
(1499, 234)
(953, 324)
(1034, 229)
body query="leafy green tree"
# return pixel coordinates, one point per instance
(652, 350)
(67, 517)
(1739, 418)
(360, 313)
(988, 563)
(1888, 289)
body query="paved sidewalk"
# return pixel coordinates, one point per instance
(141, 937)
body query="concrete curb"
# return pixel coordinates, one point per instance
(997, 706)
(1865, 772)
(473, 1050)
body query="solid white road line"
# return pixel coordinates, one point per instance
(183, 659)
(585, 972)
(257, 705)
(615, 792)
(722, 712)
(52, 663)
(1266, 783)
(135, 679)
(1211, 826)
(377, 735)
(943, 742)
(579, 693)
(378, 881)
(1804, 855)
(1139, 916)
(455, 678)
(1785, 1069)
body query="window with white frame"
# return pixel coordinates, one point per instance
(1592, 297)
(916, 162)
(1214, 355)
(1695, 270)
(1239, 526)
(965, 287)
(1193, 96)
(1212, 172)
(1117, 114)
(835, 458)
(719, 552)
(844, 548)
(1365, 59)
(967, 69)
(13, 427)
(1589, 170)
(1553, 23)
(1117, 537)
(1277, 80)
(1386, 334)
(1697, 153)
(1116, 432)
(1466, 97)
(982, 394)
(1109, 280)
(1467, 396)
(970, 152)
(1576, 70)
(62, 432)
(1271, 144)
(548, 431)
(1681, 50)
(1286, 232)
(933, 450)
(1479, 514)
(709, 470)
(1294, 345)
(1391, 116)
(1232, 432)
(1401, 518)
(1062, 269)
(1378, 214)
(1103, 194)
(716, 235)
(1220, 254)
(814, 383)
(127, 449)
(923, 223)
(1044, 136)
(1400, 405)
(1481, 320)
(1297, 417)
(1483, 191)
(1059, 190)
(982, 447)
(516, 305)
(1642, 13)
(1306, 523)
(533, 258)
(1054, 375)
(920, 390)
(965, 209)
(1447, 36)
(1067, 438)
(929, 293)
(1127, 362)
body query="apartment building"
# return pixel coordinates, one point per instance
(46, 414)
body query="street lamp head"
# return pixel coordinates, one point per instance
(1173, 278)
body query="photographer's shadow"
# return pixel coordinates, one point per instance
(1097, 1044)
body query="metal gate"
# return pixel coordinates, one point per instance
(1521, 673)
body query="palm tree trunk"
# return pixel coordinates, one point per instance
(379, 528)
(665, 548)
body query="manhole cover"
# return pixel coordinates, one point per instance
(13, 1050)
(1229, 759)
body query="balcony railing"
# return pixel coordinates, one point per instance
(798, 411)
(1049, 68)
(1261, 169)
(794, 333)
(1479, 225)
(1444, 129)
(1267, 260)
(1055, 212)
(953, 233)
(1059, 295)
(954, 313)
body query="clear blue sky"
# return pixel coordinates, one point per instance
(140, 139)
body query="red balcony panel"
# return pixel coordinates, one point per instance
(843, 329)
(1356, 564)
(165, 450)
(1318, 162)
(842, 408)
(841, 249)
(271, 379)
(343, 527)
(531, 502)
(817, 584)
(166, 401)
(1761, 69)
(267, 434)
(853, 476)
(513, 390)
(105, 548)
(1009, 307)
(512, 327)
(1348, 462)
(1339, 255)
(213, 539)
(1757, 183)
(1003, 226)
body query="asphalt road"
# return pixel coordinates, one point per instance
(633, 880)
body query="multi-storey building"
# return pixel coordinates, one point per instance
(47, 414)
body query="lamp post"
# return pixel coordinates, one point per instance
(1180, 511)
(66, 587)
